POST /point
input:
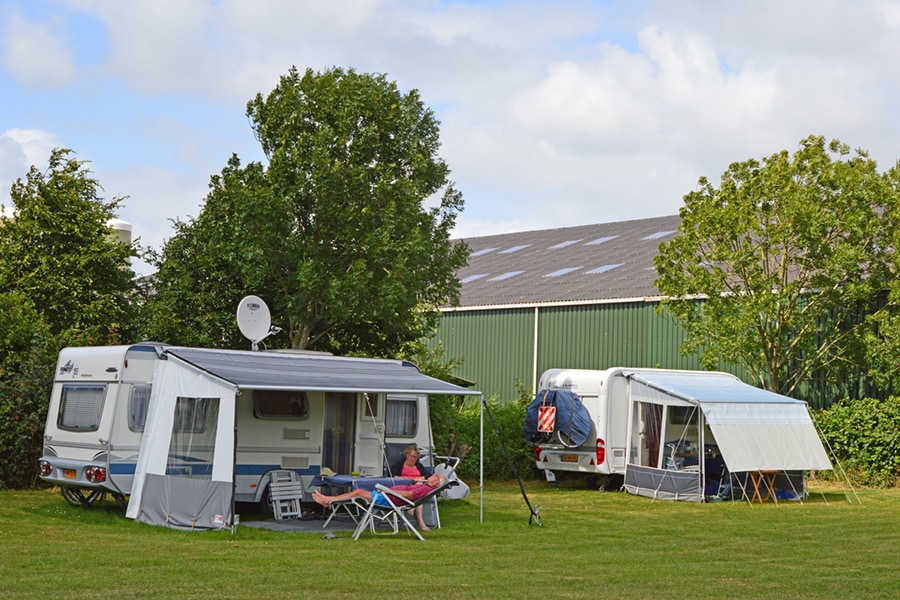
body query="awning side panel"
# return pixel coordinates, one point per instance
(770, 447)
(183, 503)
(187, 450)
(663, 484)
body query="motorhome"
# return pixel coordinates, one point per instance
(303, 412)
(671, 433)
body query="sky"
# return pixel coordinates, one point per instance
(553, 113)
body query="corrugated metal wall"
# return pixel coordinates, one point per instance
(498, 345)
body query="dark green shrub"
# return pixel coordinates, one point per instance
(508, 418)
(24, 395)
(864, 436)
(456, 424)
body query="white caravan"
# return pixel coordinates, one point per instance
(296, 411)
(605, 395)
(672, 433)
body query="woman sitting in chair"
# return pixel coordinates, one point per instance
(411, 491)
(410, 467)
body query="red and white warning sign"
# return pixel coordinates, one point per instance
(546, 418)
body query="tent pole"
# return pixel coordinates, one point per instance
(234, 517)
(481, 458)
(701, 452)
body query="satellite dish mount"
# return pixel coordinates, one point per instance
(255, 321)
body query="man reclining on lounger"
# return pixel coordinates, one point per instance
(411, 491)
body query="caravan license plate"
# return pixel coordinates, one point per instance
(569, 458)
(69, 473)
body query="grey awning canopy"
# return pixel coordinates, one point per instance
(314, 372)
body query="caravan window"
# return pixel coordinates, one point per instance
(191, 414)
(682, 415)
(401, 416)
(280, 405)
(80, 407)
(137, 407)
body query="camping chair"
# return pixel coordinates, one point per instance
(390, 507)
(286, 491)
(447, 468)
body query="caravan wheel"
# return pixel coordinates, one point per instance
(266, 504)
(76, 497)
(122, 501)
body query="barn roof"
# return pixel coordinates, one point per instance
(606, 262)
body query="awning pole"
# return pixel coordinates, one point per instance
(481, 458)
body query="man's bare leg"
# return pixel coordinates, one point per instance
(324, 500)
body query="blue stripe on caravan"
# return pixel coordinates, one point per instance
(260, 470)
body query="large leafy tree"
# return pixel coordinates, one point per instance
(786, 254)
(64, 279)
(60, 253)
(335, 233)
(883, 340)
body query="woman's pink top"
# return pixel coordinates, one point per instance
(410, 472)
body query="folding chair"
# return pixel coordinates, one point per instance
(390, 507)
(447, 468)
(286, 491)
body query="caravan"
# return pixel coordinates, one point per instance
(673, 434)
(121, 416)
(603, 395)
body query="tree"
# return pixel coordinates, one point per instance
(786, 255)
(59, 251)
(883, 339)
(27, 356)
(334, 234)
(63, 280)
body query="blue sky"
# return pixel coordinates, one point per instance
(552, 113)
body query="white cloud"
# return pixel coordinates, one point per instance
(155, 196)
(19, 150)
(552, 114)
(36, 53)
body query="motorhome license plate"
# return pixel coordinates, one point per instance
(69, 473)
(569, 458)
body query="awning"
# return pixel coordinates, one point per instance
(756, 430)
(276, 370)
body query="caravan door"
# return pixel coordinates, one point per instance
(340, 423)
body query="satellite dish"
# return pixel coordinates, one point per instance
(254, 319)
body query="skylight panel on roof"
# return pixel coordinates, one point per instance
(506, 275)
(514, 249)
(560, 272)
(564, 244)
(601, 240)
(603, 269)
(472, 278)
(659, 234)
(485, 251)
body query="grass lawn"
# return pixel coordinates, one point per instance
(590, 545)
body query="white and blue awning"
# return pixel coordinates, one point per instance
(756, 430)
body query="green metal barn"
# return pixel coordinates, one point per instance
(576, 297)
